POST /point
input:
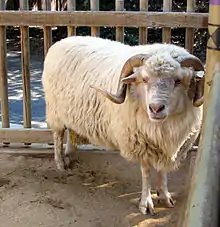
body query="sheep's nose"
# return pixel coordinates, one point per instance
(156, 108)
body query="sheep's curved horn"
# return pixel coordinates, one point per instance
(192, 61)
(127, 76)
(117, 98)
(135, 61)
(196, 87)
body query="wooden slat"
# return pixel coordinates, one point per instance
(25, 56)
(119, 6)
(189, 39)
(167, 7)
(40, 151)
(36, 137)
(47, 29)
(71, 6)
(26, 76)
(26, 135)
(3, 75)
(3, 79)
(103, 18)
(94, 5)
(143, 30)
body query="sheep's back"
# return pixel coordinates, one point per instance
(77, 59)
(70, 66)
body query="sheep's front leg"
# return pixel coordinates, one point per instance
(162, 189)
(70, 150)
(146, 204)
(58, 149)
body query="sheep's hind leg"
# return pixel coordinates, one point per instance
(58, 149)
(71, 149)
(162, 189)
(146, 204)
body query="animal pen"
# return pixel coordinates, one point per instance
(120, 19)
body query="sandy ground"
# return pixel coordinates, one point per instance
(101, 191)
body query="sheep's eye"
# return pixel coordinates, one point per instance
(177, 82)
(145, 80)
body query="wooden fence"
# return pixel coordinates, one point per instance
(72, 19)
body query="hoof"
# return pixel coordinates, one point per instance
(146, 206)
(167, 198)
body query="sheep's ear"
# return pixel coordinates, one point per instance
(135, 69)
(129, 79)
(137, 76)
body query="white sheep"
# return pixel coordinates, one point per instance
(144, 101)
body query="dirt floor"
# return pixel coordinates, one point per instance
(102, 191)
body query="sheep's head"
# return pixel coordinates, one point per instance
(163, 85)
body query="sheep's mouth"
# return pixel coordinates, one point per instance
(157, 118)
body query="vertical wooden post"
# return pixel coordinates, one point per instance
(47, 33)
(119, 5)
(213, 45)
(203, 202)
(189, 39)
(47, 29)
(167, 7)
(204, 196)
(143, 30)
(3, 76)
(94, 5)
(25, 56)
(71, 6)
